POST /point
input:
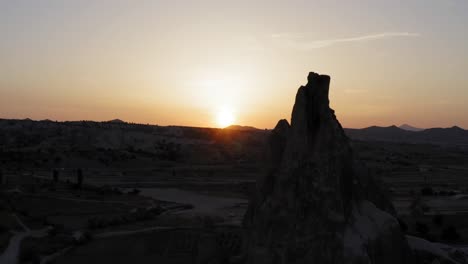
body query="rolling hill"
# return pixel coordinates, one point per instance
(438, 136)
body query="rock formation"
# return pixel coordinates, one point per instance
(316, 204)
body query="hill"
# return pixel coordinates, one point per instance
(437, 136)
(410, 128)
(241, 128)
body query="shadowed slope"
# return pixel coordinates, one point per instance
(311, 206)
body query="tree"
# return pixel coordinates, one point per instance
(79, 178)
(422, 229)
(56, 175)
(427, 191)
(450, 234)
(438, 220)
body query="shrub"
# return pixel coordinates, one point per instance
(418, 207)
(403, 225)
(422, 229)
(29, 255)
(438, 220)
(96, 222)
(208, 222)
(116, 221)
(134, 192)
(82, 237)
(107, 190)
(450, 234)
(427, 191)
(56, 229)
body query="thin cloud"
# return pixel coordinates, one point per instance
(296, 41)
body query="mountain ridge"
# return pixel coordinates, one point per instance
(410, 128)
(454, 135)
(439, 136)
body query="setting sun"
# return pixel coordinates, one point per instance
(225, 117)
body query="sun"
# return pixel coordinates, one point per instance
(225, 117)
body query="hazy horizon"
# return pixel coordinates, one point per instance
(233, 124)
(194, 63)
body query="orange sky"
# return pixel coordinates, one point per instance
(183, 62)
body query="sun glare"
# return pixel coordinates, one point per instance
(225, 117)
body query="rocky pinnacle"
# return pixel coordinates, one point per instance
(315, 204)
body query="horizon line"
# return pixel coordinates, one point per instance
(255, 127)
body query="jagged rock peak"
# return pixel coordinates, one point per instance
(310, 206)
(320, 83)
(315, 135)
(314, 95)
(282, 125)
(277, 143)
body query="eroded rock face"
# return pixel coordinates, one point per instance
(311, 207)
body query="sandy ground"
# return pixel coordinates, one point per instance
(230, 209)
(202, 203)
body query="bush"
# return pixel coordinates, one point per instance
(403, 225)
(438, 220)
(3, 205)
(134, 192)
(208, 222)
(56, 229)
(422, 229)
(107, 190)
(115, 221)
(418, 207)
(82, 237)
(96, 223)
(29, 255)
(450, 234)
(141, 215)
(427, 191)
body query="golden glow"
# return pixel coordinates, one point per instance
(102, 60)
(225, 117)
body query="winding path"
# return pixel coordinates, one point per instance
(11, 253)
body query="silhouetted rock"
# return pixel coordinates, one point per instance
(240, 128)
(277, 143)
(116, 121)
(311, 206)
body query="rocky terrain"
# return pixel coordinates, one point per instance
(316, 204)
(99, 192)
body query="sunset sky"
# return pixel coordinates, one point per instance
(186, 62)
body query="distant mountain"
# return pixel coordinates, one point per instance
(410, 128)
(376, 133)
(242, 128)
(116, 121)
(438, 136)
